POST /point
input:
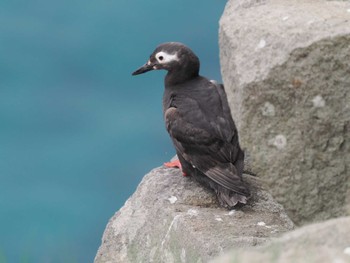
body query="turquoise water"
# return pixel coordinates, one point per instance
(77, 131)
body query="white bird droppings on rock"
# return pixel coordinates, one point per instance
(347, 251)
(348, 10)
(285, 18)
(318, 101)
(218, 219)
(261, 223)
(231, 213)
(192, 212)
(310, 22)
(268, 109)
(261, 44)
(172, 199)
(279, 141)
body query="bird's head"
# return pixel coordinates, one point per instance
(172, 56)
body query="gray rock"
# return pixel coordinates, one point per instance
(286, 69)
(171, 218)
(324, 242)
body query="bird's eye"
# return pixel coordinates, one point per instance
(160, 58)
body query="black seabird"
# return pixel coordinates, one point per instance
(199, 121)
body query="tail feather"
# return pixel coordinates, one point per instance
(228, 198)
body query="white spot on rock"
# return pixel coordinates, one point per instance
(318, 101)
(347, 249)
(263, 224)
(172, 199)
(279, 141)
(268, 109)
(261, 44)
(310, 22)
(218, 219)
(231, 213)
(285, 18)
(192, 212)
(348, 10)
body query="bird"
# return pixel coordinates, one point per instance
(198, 119)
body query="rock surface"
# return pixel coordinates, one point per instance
(171, 218)
(324, 242)
(286, 70)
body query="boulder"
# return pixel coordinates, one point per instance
(171, 218)
(286, 70)
(324, 242)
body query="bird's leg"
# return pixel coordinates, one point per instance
(175, 164)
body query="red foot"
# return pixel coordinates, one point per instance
(175, 164)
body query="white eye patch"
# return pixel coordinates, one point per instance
(164, 57)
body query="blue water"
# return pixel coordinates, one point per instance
(77, 131)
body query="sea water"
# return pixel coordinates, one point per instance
(77, 131)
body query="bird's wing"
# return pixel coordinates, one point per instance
(200, 138)
(227, 125)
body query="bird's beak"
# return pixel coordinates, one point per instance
(147, 67)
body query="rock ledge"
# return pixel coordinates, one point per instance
(171, 218)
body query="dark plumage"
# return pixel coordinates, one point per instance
(199, 122)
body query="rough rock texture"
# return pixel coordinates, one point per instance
(286, 69)
(324, 242)
(171, 218)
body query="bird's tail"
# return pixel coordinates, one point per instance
(228, 198)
